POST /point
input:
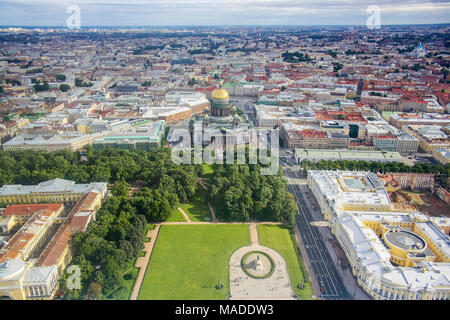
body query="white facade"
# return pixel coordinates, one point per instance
(369, 257)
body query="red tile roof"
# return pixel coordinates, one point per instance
(73, 224)
(312, 134)
(386, 138)
(29, 209)
(205, 89)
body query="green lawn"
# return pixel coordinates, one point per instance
(150, 226)
(189, 260)
(207, 171)
(129, 277)
(197, 209)
(279, 238)
(176, 216)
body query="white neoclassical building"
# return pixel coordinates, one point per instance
(393, 255)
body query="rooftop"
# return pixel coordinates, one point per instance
(345, 187)
(405, 240)
(348, 155)
(77, 220)
(55, 185)
(30, 209)
(22, 239)
(375, 257)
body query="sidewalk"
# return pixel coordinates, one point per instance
(211, 209)
(185, 215)
(142, 262)
(309, 269)
(213, 214)
(348, 280)
(254, 237)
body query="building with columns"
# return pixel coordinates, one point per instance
(20, 282)
(221, 126)
(393, 255)
(34, 258)
(56, 190)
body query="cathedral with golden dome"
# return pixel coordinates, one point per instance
(223, 116)
(221, 109)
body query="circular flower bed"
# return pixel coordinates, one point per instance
(257, 264)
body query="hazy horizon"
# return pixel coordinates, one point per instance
(197, 13)
(223, 25)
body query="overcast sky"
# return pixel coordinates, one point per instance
(223, 12)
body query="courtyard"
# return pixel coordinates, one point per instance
(425, 202)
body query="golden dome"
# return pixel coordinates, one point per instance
(220, 94)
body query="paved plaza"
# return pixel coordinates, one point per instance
(244, 287)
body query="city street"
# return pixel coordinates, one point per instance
(323, 265)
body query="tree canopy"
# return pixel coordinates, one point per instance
(248, 195)
(110, 244)
(64, 87)
(295, 57)
(117, 235)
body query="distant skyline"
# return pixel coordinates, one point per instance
(224, 12)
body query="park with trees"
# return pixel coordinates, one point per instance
(296, 57)
(107, 252)
(64, 87)
(245, 194)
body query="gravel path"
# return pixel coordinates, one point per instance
(185, 215)
(142, 262)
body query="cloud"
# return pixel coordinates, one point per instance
(208, 12)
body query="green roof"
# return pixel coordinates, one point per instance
(348, 154)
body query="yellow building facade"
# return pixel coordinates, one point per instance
(393, 255)
(22, 276)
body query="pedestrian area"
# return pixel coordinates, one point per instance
(276, 286)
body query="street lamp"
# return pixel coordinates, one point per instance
(219, 285)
